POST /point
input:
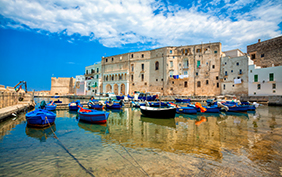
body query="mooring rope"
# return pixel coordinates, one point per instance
(62, 145)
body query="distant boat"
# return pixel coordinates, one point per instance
(74, 105)
(186, 110)
(51, 107)
(158, 112)
(138, 104)
(178, 100)
(113, 105)
(40, 118)
(95, 105)
(55, 96)
(56, 101)
(93, 116)
(157, 104)
(119, 97)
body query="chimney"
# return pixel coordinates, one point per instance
(258, 40)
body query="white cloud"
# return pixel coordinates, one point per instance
(115, 23)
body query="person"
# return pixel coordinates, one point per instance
(42, 105)
(91, 100)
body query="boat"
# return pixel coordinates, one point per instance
(137, 104)
(120, 97)
(56, 101)
(146, 96)
(95, 105)
(55, 96)
(40, 118)
(40, 133)
(92, 116)
(157, 104)
(74, 105)
(158, 112)
(235, 107)
(51, 107)
(178, 100)
(186, 110)
(113, 105)
(209, 109)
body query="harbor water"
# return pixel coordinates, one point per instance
(237, 144)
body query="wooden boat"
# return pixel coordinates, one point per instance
(182, 100)
(51, 107)
(74, 105)
(158, 112)
(236, 108)
(210, 109)
(93, 116)
(40, 118)
(186, 110)
(113, 105)
(95, 105)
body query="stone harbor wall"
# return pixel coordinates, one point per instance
(9, 97)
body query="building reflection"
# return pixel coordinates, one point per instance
(207, 135)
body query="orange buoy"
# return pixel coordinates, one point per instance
(198, 105)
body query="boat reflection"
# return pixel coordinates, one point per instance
(162, 122)
(40, 133)
(95, 128)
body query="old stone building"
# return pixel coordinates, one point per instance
(266, 53)
(234, 73)
(184, 70)
(62, 86)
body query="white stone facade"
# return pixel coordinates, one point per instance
(265, 81)
(93, 79)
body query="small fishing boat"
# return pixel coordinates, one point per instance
(74, 105)
(95, 105)
(51, 107)
(158, 112)
(178, 100)
(120, 97)
(234, 107)
(55, 96)
(138, 104)
(186, 110)
(209, 109)
(93, 116)
(40, 118)
(113, 105)
(56, 101)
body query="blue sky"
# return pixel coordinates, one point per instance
(44, 38)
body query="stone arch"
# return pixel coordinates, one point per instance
(122, 89)
(116, 89)
(108, 88)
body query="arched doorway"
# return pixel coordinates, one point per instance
(108, 88)
(122, 89)
(116, 89)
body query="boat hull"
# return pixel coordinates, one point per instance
(96, 117)
(73, 106)
(182, 100)
(186, 110)
(113, 106)
(50, 107)
(158, 112)
(95, 106)
(38, 117)
(210, 109)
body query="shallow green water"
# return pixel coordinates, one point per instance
(189, 145)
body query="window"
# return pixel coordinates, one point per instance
(86, 71)
(217, 85)
(271, 77)
(198, 63)
(113, 78)
(216, 77)
(132, 84)
(253, 56)
(156, 79)
(255, 93)
(223, 86)
(207, 63)
(199, 84)
(258, 86)
(232, 85)
(92, 70)
(255, 78)
(198, 50)
(185, 84)
(97, 70)
(215, 51)
(172, 82)
(170, 51)
(213, 66)
(173, 57)
(131, 55)
(225, 79)
(97, 76)
(171, 64)
(262, 55)
(145, 83)
(225, 73)
(131, 78)
(207, 82)
(157, 65)
(161, 88)
(142, 77)
(112, 59)
(237, 63)
(142, 55)
(240, 71)
(231, 71)
(185, 72)
(273, 86)
(120, 78)
(142, 66)
(251, 71)
(162, 79)
(171, 88)
(273, 91)
(196, 74)
(106, 60)
(132, 67)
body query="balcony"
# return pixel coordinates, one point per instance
(185, 67)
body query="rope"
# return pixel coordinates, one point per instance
(62, 145)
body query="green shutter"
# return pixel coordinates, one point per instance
(255, 78)
(198, 63)
(271, 76)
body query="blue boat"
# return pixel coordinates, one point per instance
(157, 104)
(51, 107)
(95, 105)
(74, 105)
(186, 110)
(55, 96)
(234, 108)
(119, 97)
(113, 105)
(93, 116)
(40, 118)
(130, 97)
(56, 101)
(138, 104)
(182, 100)
(210, 109)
